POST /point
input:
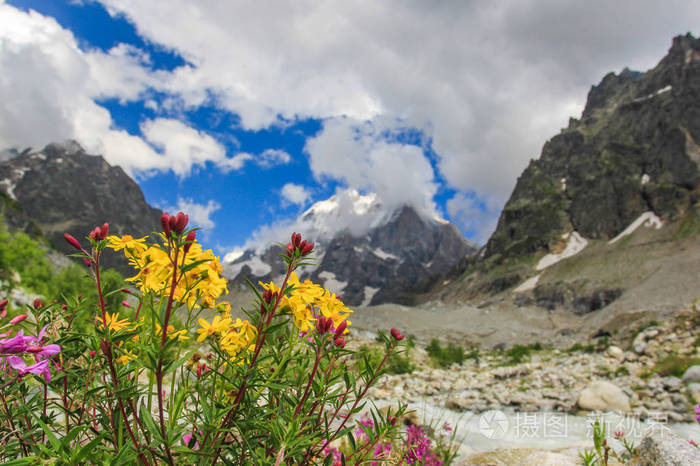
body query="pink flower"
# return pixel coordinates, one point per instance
(40, 368)
(697, 411)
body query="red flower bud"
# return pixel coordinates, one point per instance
(190, 239)
(64, 307)
(92, 353)
(200, 368)
(3, 303)
(165, 224)
(306, 248)
(96, 234)
(323, 324)
(3, 313)
(18, 319)
(38, 304)
(125, 304)
(268, 296)
(105, 230)
(341, 328)
(396, 334)
(87, 262)
(72, 241)
(180, 223)
(340, 342)
(290, 250)
(126, 290)
(296, 240)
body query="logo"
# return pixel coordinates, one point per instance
(493, 424)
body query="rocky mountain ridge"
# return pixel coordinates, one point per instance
(610, 212)
(365, 253)
(61, 188)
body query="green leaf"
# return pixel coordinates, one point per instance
(49, 434)
(87, 449)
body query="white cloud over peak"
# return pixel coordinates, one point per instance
(366, 156)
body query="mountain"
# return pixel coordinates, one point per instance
(610, 211)
(365, 253)
(63, 189)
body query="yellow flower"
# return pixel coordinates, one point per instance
(181, 335)
(114, 324)
(126, 357)
(127, 242)
(218, 325)
(301, 314)
(234, 341)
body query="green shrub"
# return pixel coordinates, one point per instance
(445, 357)
(674, 365)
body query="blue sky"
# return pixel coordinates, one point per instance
(245, 113)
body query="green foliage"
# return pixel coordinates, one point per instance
(445, 357)
(396, 363)
(674, 365)
(689, 226)
(518, 353)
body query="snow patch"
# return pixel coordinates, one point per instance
(663, 90)
(528, 284)
(575, 244)
(9, 188)
(645, 179)
(383, 255)
(648, 219)
(331, 283)
(368, 295)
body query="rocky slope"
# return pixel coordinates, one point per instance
(365, 253)
(609, 215)
(63, 189)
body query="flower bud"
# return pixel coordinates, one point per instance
(340, 342)
(3, 313)
(178, 223)
(92, 353)
(341, 328)
(87, 262)
(72, 241)
(290, 250)
(105, 230)
(126, 290)
(64, 307)
(3, 303)
(190, 240)
(125, 304)
(38, 304)
(306, 248)
(322, 325)
(18, 319)
(200, 368)
(396, 334)
(96, 234)
(296, 240)
(268, 296)
(165, 224)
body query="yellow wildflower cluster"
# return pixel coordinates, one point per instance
(203, 282)
(234, 336)
(308, 301)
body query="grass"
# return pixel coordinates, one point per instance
(689, 226)
(674, 365)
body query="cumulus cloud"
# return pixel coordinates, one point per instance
(367, 156)
(295, 194)
(199, 214)
(272, 157)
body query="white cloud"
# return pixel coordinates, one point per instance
(295, 194)
(199, 214)
(271, 157)
(363, 156)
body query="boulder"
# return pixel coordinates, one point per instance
(694, 392)
(615, 352)
(692, 375)
(603, 396)
(663, 448)
(548, 458)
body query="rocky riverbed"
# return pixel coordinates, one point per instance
(646, 374)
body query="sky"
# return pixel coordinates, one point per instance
(243, 114)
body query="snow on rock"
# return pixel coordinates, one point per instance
(663, 90)
(563, 184)
(648, 219)
(369, 294)
(645, 179)
(383, 255)
(528, 284)
(9, 187)
(576, 243)
(331, 283)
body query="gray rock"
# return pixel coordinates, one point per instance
(615, 352)
(663, 448)
(694, 392)
(692, 375)
(548, 458)
(672, 384)
(603, 396)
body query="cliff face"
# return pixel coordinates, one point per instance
(63, 189)
(635, 149)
